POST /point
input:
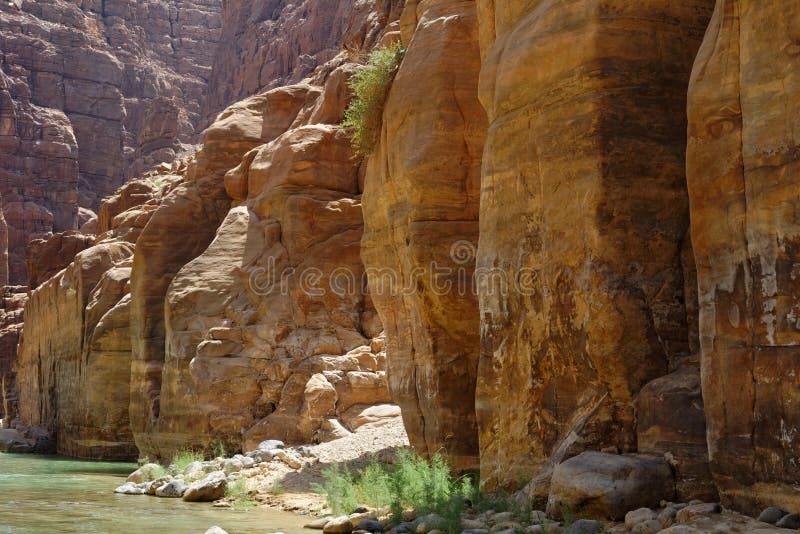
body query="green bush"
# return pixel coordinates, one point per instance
(237, 490)
(370, 86)
(185, 457)
(412, 482)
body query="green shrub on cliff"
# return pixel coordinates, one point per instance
(370, 85)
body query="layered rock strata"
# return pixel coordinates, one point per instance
(421, 221)
(742, 165)
(92, 92)
(74, 357)
(583, 214)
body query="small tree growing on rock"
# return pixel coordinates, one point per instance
(370, 86)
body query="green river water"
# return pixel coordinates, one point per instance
(51, 494)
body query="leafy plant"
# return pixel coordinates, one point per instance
(426, 486)
(237, 490)
(185, 457)
(219, 450)
(370, 85)
(339, 489)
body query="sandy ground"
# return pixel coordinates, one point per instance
(279, 486)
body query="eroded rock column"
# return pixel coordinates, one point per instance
(583, 215)
(742, 173)
(421, 198)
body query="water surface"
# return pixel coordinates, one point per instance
(52, 494)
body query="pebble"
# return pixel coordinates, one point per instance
(771, 515)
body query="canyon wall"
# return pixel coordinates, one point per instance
(584, 212)
(93, 92)
(421, 214)
(741, 158)
(156, 328)
(521, 232)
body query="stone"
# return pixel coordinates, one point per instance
(145, 473)
(216, 530)
(319, 523)
(671, 420)
(131, 488)
(270, 445)
(694, 511)
(210, 488)
(174, 488)
(578, 313)
(338, 525)
(370, 525)
(791, 521)
(288, 458)
(668, 516)
(771, 515)
(745, 251)
(634, 517)
(608, 486)
(475, 531)
(232, 465)
(585, 526)
(651, 526)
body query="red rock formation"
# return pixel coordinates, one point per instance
(75, 354)
(91, 92)
(270, 43)
(742, 173)
(583, 214)
(420, 209)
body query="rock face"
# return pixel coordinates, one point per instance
(12, 302)
(75, 354)
(583, 216)
(741, 173)
(167, 315)
(670, 422)
(266, 43)
(421, 221)
(92, 92)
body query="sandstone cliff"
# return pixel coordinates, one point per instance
(743, 190)
(421, 210)
(93, 92)
(558, 269)
(162, 332)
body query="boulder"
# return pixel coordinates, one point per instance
(174, 489)
(608, 486)
(145, 473)
(670, 421)
(338, 525)
(208, 489)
